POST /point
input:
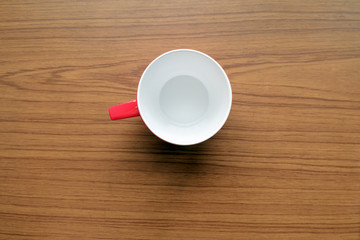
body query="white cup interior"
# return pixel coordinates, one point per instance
(184, 97)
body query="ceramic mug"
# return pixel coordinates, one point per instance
(184, 97)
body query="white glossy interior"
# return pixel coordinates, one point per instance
(184, 97)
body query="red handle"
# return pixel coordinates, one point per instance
(125, 110)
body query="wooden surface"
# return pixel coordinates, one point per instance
(286, 165)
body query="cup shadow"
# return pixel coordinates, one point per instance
(179, 165)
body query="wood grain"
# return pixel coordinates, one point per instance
(285, 166)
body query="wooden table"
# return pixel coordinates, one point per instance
(286, 165)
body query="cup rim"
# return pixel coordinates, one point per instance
(227, 83)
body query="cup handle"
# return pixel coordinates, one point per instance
(124, 110)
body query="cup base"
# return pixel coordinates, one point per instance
(184, 100)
